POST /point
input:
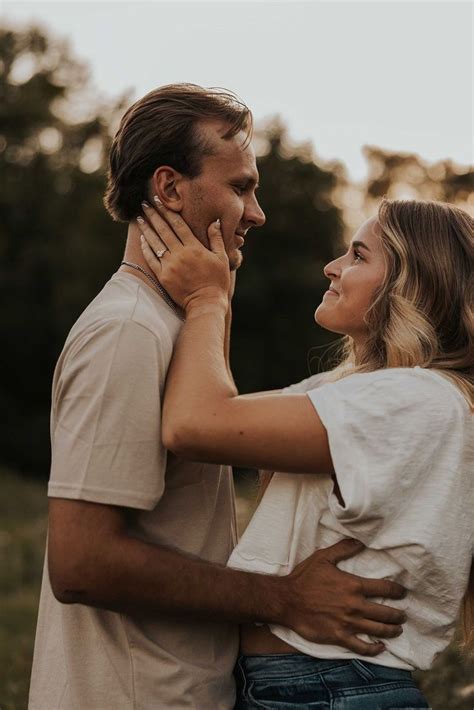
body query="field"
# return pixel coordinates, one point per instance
(448, 686)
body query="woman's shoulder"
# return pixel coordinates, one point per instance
(413, 376)
(307, 384)
(421, 388)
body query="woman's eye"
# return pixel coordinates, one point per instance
(357, 255)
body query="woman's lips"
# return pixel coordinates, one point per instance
(329, 292)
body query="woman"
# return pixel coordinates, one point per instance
(383, 443)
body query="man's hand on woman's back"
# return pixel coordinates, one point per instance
(329, 606)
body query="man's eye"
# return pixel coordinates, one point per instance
(239, 189)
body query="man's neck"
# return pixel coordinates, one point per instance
(133, 254)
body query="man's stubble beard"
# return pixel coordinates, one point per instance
(198, 226)
(235, 259)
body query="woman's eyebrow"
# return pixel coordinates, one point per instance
(360, 244)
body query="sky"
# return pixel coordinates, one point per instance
(341, 75)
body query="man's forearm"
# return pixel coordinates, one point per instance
(94, 561)
(135, 577)
(204, 377)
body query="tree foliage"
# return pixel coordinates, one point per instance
(394, 175)
(282, 280)
(58, 246)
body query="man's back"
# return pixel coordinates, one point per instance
(106, 448)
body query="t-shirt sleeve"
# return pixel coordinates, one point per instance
(306, 385)
(106, 418)
(385, 430)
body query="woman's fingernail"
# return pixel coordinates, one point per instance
(142, 239)
(157, 200)
(140, 220)
(145, 204)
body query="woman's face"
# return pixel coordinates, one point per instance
(354, 277)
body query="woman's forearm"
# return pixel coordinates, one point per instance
(228, 326)
(204, 419)
(198, 376)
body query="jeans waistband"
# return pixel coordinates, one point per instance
(279, 665)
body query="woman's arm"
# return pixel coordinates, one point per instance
(204, 419)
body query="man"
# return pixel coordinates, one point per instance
(137, 608)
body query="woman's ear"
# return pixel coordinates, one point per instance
(166, 183)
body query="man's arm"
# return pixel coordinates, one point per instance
(94, 561)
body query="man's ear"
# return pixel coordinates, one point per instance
(167, 184)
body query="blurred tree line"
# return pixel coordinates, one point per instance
(58, 246)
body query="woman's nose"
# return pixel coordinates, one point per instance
(332, 269)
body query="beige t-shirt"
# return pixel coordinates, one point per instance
(106, 448)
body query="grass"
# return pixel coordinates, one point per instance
(22, 541)
(449, 685)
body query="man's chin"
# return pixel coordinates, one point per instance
(235, 259)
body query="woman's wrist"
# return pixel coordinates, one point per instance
(209, 300)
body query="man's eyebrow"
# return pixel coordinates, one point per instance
(362, 245)
(247, 180)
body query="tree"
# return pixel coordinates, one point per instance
(57, 244)
(408, 175)
(282, 281)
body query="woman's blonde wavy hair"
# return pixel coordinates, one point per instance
(423, 314)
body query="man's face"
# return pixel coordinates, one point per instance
(225, 189)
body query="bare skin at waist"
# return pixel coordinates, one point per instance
(260, 640)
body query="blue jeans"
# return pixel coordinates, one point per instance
(294, 680)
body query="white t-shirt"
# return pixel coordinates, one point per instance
(402, 446)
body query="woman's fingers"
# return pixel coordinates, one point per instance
(161, 227)
(187, 269)
(173, 222)
(150, 257)
(153, 239)
(214, 233)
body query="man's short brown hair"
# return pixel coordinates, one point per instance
(161, 129)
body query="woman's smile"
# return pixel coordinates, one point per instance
(357, 275)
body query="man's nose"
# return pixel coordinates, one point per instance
(254, 214)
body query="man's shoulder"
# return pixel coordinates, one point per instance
(123, 321)
(124, 300)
